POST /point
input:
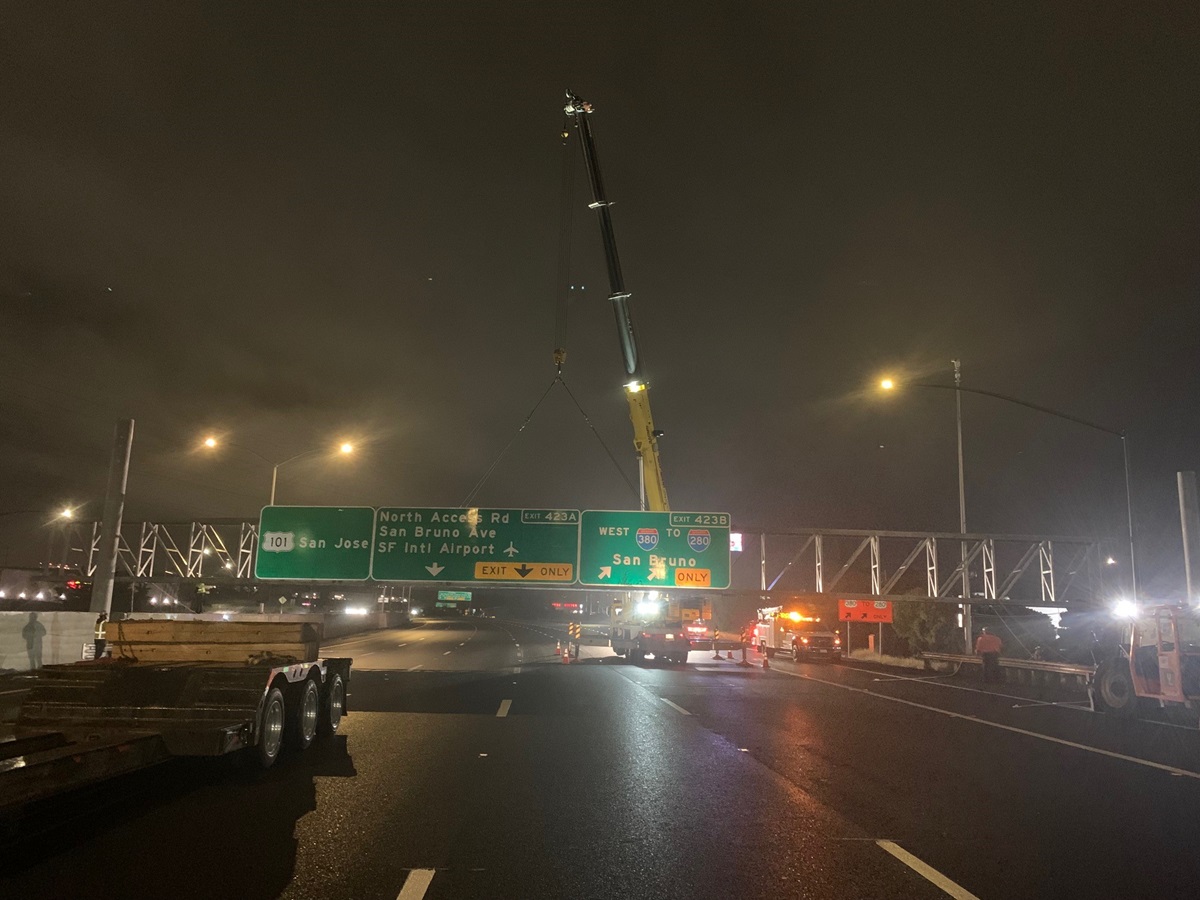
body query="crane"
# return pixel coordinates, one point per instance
(637, 391)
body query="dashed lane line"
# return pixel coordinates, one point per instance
(1112, 754)
(675, 706)
(505, 705)
(418, 666)
(416, 884)
(926, 871)
(447, 653)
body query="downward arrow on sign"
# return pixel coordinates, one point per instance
(523, 570)
(434, 569)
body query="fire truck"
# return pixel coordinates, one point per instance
(796, 633)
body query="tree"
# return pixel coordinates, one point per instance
(926, 624)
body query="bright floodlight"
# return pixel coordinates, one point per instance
(66, 513)
(1125, 609)
(887, 384)
(347, 447)
(210, 442)
(647, 608)
(1110, 562)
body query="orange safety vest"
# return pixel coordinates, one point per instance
(988, 643)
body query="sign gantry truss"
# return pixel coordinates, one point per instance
(1038, 570)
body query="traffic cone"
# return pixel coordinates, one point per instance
(558, 648)
(766, 661)
(567, 657)
(729, 654)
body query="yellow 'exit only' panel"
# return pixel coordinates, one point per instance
(524, 571)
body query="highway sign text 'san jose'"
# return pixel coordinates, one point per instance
(654, 549)
(452, 544)
(315, 543)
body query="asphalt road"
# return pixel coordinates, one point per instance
(475, 764)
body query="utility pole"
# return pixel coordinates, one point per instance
(110, 525)
(962, 509)
(1189, 520)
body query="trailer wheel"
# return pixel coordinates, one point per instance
(334, 705)
(306, 712)
(1114, 687)
(795, 653)
(270, 731)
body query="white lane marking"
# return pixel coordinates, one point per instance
(1112, 754)
(675, 706)
(405, 644)
(447, 653)
(926, 871)
(505, 705)
(414, 668)
(463, 644)
(416, 884)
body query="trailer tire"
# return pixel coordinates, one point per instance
(270, 729)
(795, 652)
(334, 706)
(1114, 688)
(305, 715)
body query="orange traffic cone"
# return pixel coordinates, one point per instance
(567, 657)
(729, 654)
(766, 661)
(558, 648)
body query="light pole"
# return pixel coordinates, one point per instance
(345, 448)
(888, 384)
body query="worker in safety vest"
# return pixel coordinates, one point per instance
(988, 646)
(100, 642)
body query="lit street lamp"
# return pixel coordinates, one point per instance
(888, 384)
(345, 449)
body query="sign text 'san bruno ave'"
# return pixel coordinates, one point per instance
(315, 543)
(662, 550)
(518, 545)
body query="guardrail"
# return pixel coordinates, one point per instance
(1026, 667)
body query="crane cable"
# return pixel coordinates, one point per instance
(562, 286)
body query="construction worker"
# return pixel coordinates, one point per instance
(988, 646)
(100, 642)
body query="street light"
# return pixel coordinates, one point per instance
(346, 448)
(888, 384)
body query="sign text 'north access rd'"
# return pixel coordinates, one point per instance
(654, 549)
(454, 544)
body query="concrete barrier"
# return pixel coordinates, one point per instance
(32, 639)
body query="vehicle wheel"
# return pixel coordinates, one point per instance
(1114, 687)
(634, 655)
(795, 653)
(333, 707)
(306, 712)
(270, 729)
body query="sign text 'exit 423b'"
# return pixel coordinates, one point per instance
(654, 549)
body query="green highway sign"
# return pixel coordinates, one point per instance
(454, 596)
(661, 550)
(454, 544)
(314, 543)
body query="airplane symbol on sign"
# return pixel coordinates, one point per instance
(511, 551)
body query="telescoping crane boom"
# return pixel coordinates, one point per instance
(637, 391)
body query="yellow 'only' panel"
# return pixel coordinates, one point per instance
(524, 571)
(693, 578)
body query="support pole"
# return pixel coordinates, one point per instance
(1129, 518)
(110, 525)
(1189, 520)
(762, 561)
(962, 508)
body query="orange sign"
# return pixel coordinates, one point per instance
(693, 578)
(865, 610)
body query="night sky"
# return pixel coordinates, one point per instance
(293, 224)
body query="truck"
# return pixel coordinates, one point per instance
(651, 625)
(168, 689)
(645, 625)
(796, 632)
(1159, 666)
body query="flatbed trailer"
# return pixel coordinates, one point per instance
(88, 721)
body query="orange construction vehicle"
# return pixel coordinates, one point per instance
(1160, 664)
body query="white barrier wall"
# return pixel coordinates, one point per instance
(48, 638)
